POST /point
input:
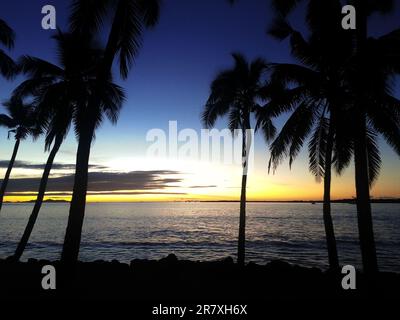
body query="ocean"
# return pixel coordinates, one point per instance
(292, 232)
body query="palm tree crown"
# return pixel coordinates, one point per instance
(21, 119)
(63, 92)
(238, 93)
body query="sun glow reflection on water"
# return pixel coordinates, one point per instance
(203, 231)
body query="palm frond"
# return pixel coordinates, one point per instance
(343, 146)
(385, 119)
(130, 39)
(21, 118)
(150, 10)
(58, 125)
(7, 35)
(292, 136)
(374, 158)
(257, 69)
(87, 16)
(280, 29)
(317, 148)
(38, 68)
(112, 99)
(6, 121)
(286, 73)
(284, 7)
(235, 120)
(302, 50)
(212, 110)
(32, 87)
(8, 68)
(241, 70)
(222, 97)
(264, 122)
(284, 100)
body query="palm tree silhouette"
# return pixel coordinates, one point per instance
(362, 141)
(129, 19)
(237, 92)
(22, 122)
(316, 102)
(373, 108)
(8, 68)
(59, 92)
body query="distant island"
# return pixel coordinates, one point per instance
(348, 201)
(351, 201)
(33, 201)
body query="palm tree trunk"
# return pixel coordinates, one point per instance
(242, 223)
(8, 172)
(329, 230)
(246, 144)
(76, 216)
(364, 214)
(39, 200)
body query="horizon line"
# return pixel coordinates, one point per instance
(343, 200)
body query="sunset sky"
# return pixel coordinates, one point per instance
(170, 82)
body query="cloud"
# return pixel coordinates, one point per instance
(199, 187)
(90, 193)
(106, 182)
(40, 166)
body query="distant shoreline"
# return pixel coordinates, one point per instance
(352, 201)
(348, 201)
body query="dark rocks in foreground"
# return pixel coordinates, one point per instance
(170, 279)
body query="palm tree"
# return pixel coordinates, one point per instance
(22, 122)
(129, 19)
(8, 68)
(59, 91)
(364, 9)
(316, 102)
(237, 92)
(374, 64)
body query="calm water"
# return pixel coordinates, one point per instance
(203, 231)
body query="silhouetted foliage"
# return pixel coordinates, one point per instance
(21, 121)
(238, 94)
(129, 19)
(60, 93)
(8, 67)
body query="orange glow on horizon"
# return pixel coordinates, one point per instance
(277, 194)
(205, 182)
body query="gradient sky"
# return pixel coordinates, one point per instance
(170, 82)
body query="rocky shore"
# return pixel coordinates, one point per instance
(170, 279)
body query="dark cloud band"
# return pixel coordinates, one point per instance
(101, 182)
